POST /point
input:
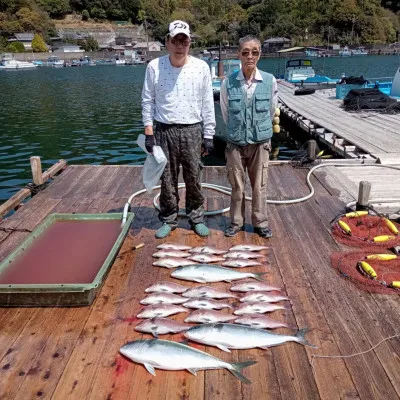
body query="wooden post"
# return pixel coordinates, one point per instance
(36, 167)
(364, 191)
(312, 149)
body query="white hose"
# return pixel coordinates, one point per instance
(228, 191)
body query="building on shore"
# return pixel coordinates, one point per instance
(275, 44)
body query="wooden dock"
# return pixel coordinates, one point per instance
(72, 353)
(367, 135)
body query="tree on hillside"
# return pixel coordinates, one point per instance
(38, 44)
(56, 8)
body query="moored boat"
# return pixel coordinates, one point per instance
(9, 63)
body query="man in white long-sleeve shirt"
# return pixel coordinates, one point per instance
(177, 98)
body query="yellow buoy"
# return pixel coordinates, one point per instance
(383, 257)
(391, 226)
(383, 238)
(355, 214)
(276, 129)
(277, 112)
(367, 269)
(276, 121)
(344, 227)
(395, 284)
(320, 153)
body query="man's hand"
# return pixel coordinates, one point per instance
(149, 143)
(208, 145)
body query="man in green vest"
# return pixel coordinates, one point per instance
(248, 101)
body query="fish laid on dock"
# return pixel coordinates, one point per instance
(209, 317)
(258, 308)
(240, 263)
(205, 258)
(248, 247)
(171, 253)
(166, 287)
(173, 246)
(261, 321)
(205, 273)
(173, 356)
(208, 292)
(161, 326)
(206, 304)
(256, 296)
(239, 337)
(172, 262)
(249, 286)
(242, 254)
(160, 310)
(207, 250)
(163, 298)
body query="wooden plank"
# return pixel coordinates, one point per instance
(14, 201)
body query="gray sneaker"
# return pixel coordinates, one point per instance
(164, 231)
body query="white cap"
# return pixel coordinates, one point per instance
(177, 27)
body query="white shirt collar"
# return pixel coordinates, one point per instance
(257, 75)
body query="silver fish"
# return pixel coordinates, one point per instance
(207, 292)
(163, 298)
(242, 254)
(171, 253)
(207, 250)
(173, 356)
(259, 308)
(261, 321)
(240, 263)
(249, 286)
(205, 258)
(255, 297)
(209, 316)
(160, 310)
(172, 262)
(206, 304)
(248, 247)
(204, 273)
(173, 246)
(161, 326)
(166, 287)
(231, 336)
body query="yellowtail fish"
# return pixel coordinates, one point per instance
(160, 310)
(166, 287)
(207, 250)
(172, 262)
(256, 296)
(249, 286)
(161, 326)
(170, 253)
(248, 247)
(173, 246)
(205, 258)
(163, 298)
(207, 292)
(209, 316)
(206, 304)
(258, 308)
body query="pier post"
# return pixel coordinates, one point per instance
(311, 149)
(36, 166)
(364, 191)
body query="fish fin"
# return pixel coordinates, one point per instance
(150, 369)
(223, 348)
(200, 280)
(259, 276)
(301, 339)
(192, 371)
(265, 347)
(154, 333)
(237, 368)
(227, 280)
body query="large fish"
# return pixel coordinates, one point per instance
(205, 258)
(166, 287)
(261, 321)
(240, 263)
(161, 326)
(173, 356)
(205, 273)
(232, 336)
(206, 304)
(255, 297)
(173, 246)
(248, 247)
(160, 310)
(258, 308)
(249, 286)
(206, 250)
(163, 298)
(209, 316)
(171, 253)
(208, 292)
(172, 262)
(242, 254)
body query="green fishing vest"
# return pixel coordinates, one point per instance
(249, 123)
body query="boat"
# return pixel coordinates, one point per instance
(359, 51)
(298, 70)
(8, 63)
(119, 61)
(345, 52)
(54, 61)
(229, 66)
(395, 89)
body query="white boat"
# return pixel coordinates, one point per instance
(359, 51)
(395, 90)
(54, 61)
(345, 52)
(119, 61)
(298, 70)
(8, 63)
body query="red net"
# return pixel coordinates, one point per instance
(364, 230)
(387, 270)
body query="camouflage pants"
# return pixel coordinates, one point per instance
(182, 146)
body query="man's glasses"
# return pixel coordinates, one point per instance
(183, 42)
(254, 53)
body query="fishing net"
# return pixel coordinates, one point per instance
(366, 231)
(387, 271)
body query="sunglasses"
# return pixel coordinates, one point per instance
(254, 53)
(183, 42)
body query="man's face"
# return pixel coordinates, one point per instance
(249, 54)
(179, 45)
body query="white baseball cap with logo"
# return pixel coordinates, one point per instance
(177, 27)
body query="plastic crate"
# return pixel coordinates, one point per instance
(342, 90)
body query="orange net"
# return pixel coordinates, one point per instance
(387, 271)
(366, 231)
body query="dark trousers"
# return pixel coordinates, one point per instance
(182, 146)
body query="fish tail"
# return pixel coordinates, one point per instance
(300, 335)
(259, 276)
(237, 368)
